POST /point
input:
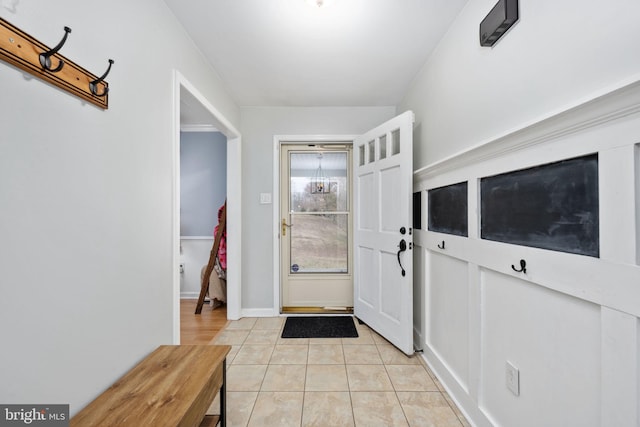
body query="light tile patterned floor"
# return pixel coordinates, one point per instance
(334, 382)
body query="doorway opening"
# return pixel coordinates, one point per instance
(382, 271)
(315, 262)
(203, 191)
(192, 110)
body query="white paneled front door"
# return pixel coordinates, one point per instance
(383, 188)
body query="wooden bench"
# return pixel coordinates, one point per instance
(173, 386)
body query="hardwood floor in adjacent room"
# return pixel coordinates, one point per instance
(200, 328)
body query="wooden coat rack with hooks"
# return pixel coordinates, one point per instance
(28, 54)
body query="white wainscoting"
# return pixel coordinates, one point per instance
(194, 254)
(570, 324)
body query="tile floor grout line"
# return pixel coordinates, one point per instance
(353, 412)
(253, 407)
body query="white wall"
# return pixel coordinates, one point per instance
(194, 254)
(86, 197)
(259, 126)
(557, 54)
(637, 195)
(571, 323)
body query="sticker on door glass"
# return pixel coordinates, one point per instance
(295, 268)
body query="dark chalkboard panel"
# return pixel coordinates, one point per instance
(417, 210)
(448, 209)
(553, 206)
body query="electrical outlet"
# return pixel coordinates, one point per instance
(513, 378)
(181, 267)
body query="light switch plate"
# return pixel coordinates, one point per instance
(265, 198)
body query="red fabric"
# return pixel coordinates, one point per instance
(222, 249)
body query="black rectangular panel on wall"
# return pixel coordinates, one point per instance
(417, 210)
(448, 209)
(552, 206)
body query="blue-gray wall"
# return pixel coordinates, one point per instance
(203, 181)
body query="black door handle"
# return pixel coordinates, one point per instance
(403, 247)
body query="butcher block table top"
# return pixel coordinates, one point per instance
(173, 386)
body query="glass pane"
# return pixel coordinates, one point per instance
(361, 155)
(383, 147)
(319, 243)
(319, 182)
(372, 151)
(395, 142)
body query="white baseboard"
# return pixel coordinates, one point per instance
(460, 396)
(189, 295)
(259, 312)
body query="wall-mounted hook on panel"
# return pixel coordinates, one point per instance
(523, 267)
(441, 246)
(93, 86)
(45, 57)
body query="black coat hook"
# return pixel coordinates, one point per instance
(441, 247)
(523, 267)
(45, 57)
(93, 86)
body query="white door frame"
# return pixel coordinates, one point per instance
(279, 140)
(234, 199)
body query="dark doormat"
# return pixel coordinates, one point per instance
(320, 327)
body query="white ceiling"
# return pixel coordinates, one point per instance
(292, 53)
